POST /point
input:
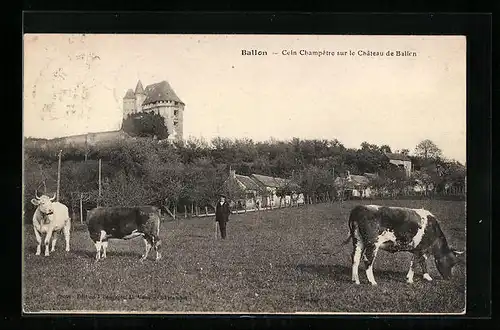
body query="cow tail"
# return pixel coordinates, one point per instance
(351, 233)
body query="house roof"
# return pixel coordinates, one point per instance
(272, 182)
(353, 181)
(139, 89)
(359, 180)
(370, 176)
(247, 182)
(397, 156)
(160, 92)
(129, 95)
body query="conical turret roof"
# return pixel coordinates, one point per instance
(139, 89)
(129, 95)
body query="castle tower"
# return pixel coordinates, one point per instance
(161, 99)
(140, 96)
(128, 103)
(158, 98)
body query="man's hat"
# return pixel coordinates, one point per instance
(222, 195)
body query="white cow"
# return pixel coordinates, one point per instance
(49, 219)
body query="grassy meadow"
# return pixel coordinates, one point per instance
(281, 261)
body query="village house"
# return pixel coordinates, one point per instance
(400, 160)
(419, 186)
(272, 184)
(355, 185)
(261, 191)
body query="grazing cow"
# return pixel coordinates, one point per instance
(398, 229)
(124, 223)
(50, 218)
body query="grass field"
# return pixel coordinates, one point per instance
(280, 261)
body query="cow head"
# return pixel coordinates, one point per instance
(44, 204)
(446, 262)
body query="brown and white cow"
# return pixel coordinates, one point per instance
(50, 218)
(398, 229)
(125, 223)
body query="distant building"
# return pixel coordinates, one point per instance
(260, 190)
(159, 98)
(355, 185)
(400, 160)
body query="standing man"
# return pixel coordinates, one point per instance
(222, 212)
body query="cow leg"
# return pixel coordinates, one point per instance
(54, 241)
(370, 253)
(157, 241)
(148, 245)
(39, 242)
(157, 244)
(48, 238)
(104, 245)
(423, 264)
(409, 276)
(67, 233)
(356, 258)
(99, 244)
(98, 250)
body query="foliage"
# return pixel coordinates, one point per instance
(193, 172)
(427, 149)
(147, 124)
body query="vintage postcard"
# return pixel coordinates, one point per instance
(248, 174)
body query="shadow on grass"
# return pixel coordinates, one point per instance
(340, 273)
(109, 254)
(77, 227)
(31, 250)
(199, 236)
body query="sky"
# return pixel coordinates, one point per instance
(74, 84)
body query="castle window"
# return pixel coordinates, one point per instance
(176, 123)
(176, 112)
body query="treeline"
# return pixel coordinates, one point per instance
(192, 173)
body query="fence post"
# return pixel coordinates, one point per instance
(100, 190)
(58, 175)
(81, 208)
(185, 211)
(206, 210)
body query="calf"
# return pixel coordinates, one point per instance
(398, 229)
(50, 218)
(124, 223)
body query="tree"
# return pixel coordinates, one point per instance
(316, 182)
(428, 150)
(385, 148)
(405, 152)
(394, 178)
(146, 125)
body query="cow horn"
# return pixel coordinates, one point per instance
(53, 197)
(36, 194)
(458, 252)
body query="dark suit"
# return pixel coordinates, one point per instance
(222, 217)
